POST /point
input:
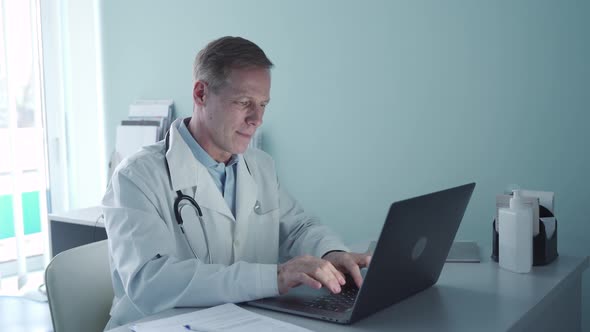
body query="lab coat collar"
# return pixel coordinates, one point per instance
(186, 172)
(184, 169)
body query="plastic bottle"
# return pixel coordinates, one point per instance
(516, 235)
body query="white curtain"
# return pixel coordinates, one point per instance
(21, 123)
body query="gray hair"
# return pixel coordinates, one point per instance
(214, 63)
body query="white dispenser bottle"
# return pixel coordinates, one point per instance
(515, 236)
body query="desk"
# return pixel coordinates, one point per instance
(471, 297)
(19, 314)
(75, 228)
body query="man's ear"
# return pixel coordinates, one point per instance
(200, 93)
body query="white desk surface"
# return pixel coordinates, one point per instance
(467, 297)
(86, 216)
(20, 314)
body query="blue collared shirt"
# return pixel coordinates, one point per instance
(223, 175)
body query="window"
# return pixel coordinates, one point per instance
(23, 186)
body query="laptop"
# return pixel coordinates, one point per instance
(408, 258)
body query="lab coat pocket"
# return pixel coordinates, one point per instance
(264, 231)
(197, 237)
(265, 207)
(266, 213)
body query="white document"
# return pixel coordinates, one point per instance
(464, 252)
(225, 317)
(151, 108)
(546, 198)
(158, 110)
(131, 139)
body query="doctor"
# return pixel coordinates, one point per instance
(199, 220)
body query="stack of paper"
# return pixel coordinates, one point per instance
(153, 110)
(227, 317)
(147, 123)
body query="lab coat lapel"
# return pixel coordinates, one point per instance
(186, 172)
(209, 196)
(246, 193)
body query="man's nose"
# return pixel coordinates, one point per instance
(255, 116)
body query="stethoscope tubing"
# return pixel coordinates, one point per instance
(179, 198)
(180, 222)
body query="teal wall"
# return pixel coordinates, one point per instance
(375, 101)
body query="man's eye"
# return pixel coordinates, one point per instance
(245, 103)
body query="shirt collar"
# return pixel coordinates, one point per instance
(202, 156)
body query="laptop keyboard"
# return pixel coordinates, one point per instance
(340, 302)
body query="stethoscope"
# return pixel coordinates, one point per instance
(180, 197)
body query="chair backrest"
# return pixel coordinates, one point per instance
(79, 288)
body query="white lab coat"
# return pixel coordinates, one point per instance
(154, 269)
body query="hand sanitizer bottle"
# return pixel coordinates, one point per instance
(516, 235)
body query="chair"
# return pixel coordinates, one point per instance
(79, 288)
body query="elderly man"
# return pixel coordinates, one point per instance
(199, 219)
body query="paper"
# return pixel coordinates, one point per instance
(550, 225)
(226, 317)
(153, 110)
(141, 123)
(131, 139)
(546, 198)
(464, 252)
(147, 123)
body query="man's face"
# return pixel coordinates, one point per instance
(231, 115)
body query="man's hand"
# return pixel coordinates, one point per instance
(327, 272)
(350, 263)
(311, 271)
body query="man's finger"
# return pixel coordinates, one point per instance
(303, 278)
(339, 275)
(325, 275)
(355, 273)
(364, 260)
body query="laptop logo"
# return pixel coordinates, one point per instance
(419, 248)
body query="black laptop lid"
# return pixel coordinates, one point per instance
(414, 243)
